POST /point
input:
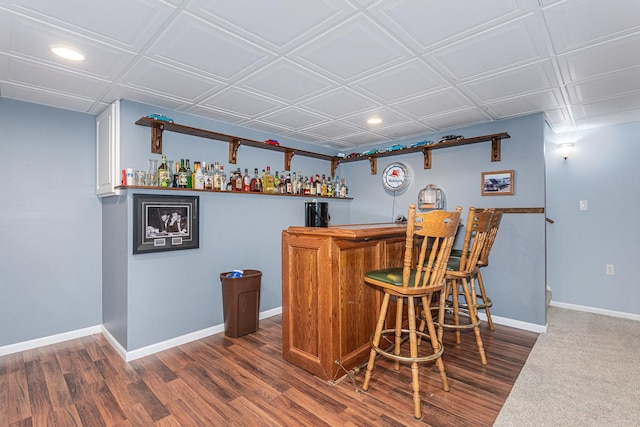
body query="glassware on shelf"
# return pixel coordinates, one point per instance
(152, 174)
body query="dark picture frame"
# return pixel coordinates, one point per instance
(497, 183)
(165, 223)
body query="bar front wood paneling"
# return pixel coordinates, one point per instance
(328, 312)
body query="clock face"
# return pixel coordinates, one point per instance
(395, 177)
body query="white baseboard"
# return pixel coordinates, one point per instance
(52, 339)
(604, 312)
(518, 324)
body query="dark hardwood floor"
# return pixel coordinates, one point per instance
(219, 381)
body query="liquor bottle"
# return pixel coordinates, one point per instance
(323, 186)
(312, 186)
(282, 188)
(288, 184)
(307, 187)
(176, 172)
(164, 179)
(208, 177)
(198, 176)
(217, 178)
(238, 181)
(329, 187)
(246, 181)
(223, 179)
(254, 185)
(267, 184)
(182, 175)
(276, 183)
(344, 191)
(189, 174)
(318, 185)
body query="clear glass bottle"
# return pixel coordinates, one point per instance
(288, 184)
(154, 171)
(217, 178)
(268, 186)
(223, 179)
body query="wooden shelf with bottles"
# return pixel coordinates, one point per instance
(426, 150)
(253, 193)
(159, 126)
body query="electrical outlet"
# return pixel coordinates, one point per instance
(584, 205)
(610, 269)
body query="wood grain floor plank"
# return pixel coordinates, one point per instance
(244, 381)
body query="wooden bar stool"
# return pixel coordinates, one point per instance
(415, 281)
(461, 275)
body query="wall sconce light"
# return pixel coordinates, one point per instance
(565, 149)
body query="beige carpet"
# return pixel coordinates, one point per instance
(584, 371)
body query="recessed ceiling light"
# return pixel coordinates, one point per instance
(374, 121)
(67, 53)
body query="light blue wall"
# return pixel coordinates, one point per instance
(604, 171)
(515, 279)
(50, 279)
(174, 293)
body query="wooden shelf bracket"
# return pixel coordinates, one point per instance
(234, 144)
(156, 138)
(495, 149)
(288, 155)
(427, 158)
(373, 161)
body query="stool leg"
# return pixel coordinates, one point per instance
(455, 294)
(413, 346)
(473, 317)
(485, 300)
(376, 340)
(398, 341)
(435, 343)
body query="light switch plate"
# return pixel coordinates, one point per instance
(584, 205)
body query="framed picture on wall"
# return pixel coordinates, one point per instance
(165, 223)
(497, 183)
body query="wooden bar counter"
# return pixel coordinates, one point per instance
(328, 312)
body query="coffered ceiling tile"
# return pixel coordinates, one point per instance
(527, 104)
(157, 76)
(422, 25)
(451, 120)
(361, 139)
(609, 120)
(352, 49)
(143, 96)
(433, 104)
(32, 40)
(332, 130)
(388, 116)
(529, 78)
(605, 87)
(219, 53)
(241, 102)
(287, 81)
(619, 54)
(404, 130)
(265, 127)
(210, 113)
(293, 118)
(129, 23)
(338, 103)
(510, 45)
(33, 74)
(576, 24)
(603, 107)
(44, 97)
(402, 81)
(275, 23)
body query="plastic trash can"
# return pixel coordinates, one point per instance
(241, 302)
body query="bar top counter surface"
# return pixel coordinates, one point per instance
(328, 312)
